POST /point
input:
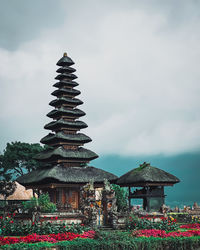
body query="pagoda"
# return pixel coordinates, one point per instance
(64, 166)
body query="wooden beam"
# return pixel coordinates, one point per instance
(52, 185)
(55, 185)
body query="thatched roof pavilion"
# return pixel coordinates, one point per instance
(152, 180)
(147, 175)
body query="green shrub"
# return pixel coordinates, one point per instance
(134, 222)
(43, 203)
(185, 217)
(10, 227)
(121, 197)
(29, 206)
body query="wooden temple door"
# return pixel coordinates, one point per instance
(63, 197)
(66, 198)
(74, 199)
(59, 198)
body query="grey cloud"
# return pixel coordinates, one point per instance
(24, 20)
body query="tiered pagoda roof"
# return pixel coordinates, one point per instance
(65, 141)
(61, 123)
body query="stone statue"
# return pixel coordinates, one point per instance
(107, 186)
(91, 185)
(195, 205)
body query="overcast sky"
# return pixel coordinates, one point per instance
(138, 64)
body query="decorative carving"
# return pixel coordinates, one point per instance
(88, 204)
(109, 205)
(195, 205)
(165, 209)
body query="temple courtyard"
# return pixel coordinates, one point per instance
(65, 203)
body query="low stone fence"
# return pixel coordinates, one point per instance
(121, 221)
(66, 217)
(11, 205)
(58, 217)
(195, 211)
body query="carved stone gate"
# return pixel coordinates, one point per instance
(94, 208)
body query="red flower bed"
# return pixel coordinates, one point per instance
(184, 234)
(53, 238)
(163, 234)
(149, 233)
(194, 225)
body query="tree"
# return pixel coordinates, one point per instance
(121, 197)
(18, 158)
(7, 186)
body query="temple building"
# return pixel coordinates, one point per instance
(151, 182)
(65, 162)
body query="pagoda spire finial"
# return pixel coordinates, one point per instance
(65, 54)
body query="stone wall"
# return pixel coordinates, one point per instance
(63, 217)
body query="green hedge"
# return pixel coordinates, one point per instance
(151, 243)
(135, 222)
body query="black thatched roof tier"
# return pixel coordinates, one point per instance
(66, 69)
(65, 100)
(146, 174)
(66, 76)
(64, 83)
(61, 153)
(71, 138)
(65, 61)
(63, 174)
(66, 112)
(66, 91)
(61, 123)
